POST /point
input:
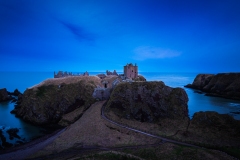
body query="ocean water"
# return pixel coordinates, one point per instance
(23, 80)
(20, 81)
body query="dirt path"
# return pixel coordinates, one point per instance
(145, 133)
(31, 148)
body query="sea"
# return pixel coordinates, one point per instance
(23, 80)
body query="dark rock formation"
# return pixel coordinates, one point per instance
(148, 101)
(13, 133)
(16, 92)
(4, 95)
(46, 104)
(225, 85)
(5, 144)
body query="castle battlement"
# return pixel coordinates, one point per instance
(131, 71)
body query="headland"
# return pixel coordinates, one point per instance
(146, 120)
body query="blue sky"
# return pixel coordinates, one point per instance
(99, 35)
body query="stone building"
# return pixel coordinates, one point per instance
(131, 71)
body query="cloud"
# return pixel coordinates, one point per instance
(78, 31)
(147, 52)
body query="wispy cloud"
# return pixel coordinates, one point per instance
(78, 31)
(147, 52)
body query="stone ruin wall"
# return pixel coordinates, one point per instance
(61, 74)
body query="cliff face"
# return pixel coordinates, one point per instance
(148, 101)
(47, 103)
(225, 85)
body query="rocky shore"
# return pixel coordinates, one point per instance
(226, 85)
(7, 96)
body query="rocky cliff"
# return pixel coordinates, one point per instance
(4, 95)
(225, 85)
(49, 101)
(148, 101)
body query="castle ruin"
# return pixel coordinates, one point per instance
(62, 74)
(131, 71)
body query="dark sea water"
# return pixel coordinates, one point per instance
(22, 80)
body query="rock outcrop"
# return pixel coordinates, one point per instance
(4, 95)
(16, 93)
(148, 101)
(225, 85)
(46, 103)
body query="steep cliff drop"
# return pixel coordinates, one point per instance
(226, 85)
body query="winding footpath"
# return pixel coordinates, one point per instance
(152, 135)
(145, 133)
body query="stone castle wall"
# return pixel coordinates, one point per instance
(131, 71)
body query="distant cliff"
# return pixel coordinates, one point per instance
(226, 85)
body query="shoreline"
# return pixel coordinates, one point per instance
(25, 150)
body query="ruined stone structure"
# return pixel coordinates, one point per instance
(131, 71)
(61, 74)
(86, 74)
(111, 73)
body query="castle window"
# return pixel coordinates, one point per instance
(132, 70)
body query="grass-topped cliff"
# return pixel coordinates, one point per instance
(226, 85)
(150, 102)
(50, 101)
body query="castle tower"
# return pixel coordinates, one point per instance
(131, 71)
